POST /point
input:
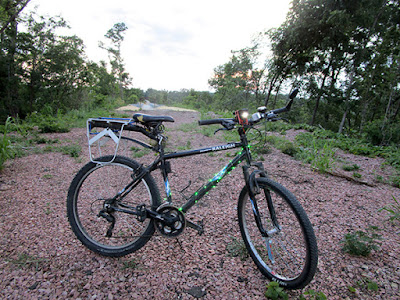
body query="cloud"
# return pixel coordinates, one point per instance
(170, 44)
(171, 41)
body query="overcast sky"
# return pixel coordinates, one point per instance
(169, 44)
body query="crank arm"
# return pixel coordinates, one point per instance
(198, 227)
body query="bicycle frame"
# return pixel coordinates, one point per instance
(160, 162)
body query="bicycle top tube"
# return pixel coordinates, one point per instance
(202, 150)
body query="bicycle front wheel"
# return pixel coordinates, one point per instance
(92, 187)
(288, 253)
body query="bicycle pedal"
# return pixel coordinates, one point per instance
(199, 227)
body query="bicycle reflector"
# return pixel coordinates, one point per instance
(242, 116)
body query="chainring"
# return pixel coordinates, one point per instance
(174, 221)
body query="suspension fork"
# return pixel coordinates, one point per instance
(253, 189)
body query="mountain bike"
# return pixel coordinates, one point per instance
(114, 205)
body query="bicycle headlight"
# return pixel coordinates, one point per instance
(244, 114)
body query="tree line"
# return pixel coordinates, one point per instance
(343, 55)
(43, 71)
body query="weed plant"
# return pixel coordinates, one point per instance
(24, 261)
(361, 243)
(129, 264)
(311, 294)
(349, 168)
(275, 292)
(237, 248)
(365, 284)
(393, 210)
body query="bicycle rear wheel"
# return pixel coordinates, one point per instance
(92, 186)
(289, 254)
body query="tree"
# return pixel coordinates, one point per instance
(9, 11)
(115, 38)
(238, 81)
(345, 54)
(52, 66)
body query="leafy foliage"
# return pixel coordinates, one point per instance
(311, 294)
(361, 243)
(5, 151)
(275, 292)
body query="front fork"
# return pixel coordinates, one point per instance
(253, 189)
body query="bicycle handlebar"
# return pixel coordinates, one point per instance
(214, 121)
(262, 113)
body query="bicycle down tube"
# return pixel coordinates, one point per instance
(196, 196)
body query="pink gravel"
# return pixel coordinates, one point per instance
(40, 258)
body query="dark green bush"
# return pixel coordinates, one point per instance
(361, 243)
(50, 124)
(380, 132)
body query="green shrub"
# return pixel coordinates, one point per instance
(380, 131)
(275, 292)
(50, 125)
(352, 167)
(361, 243)
(5, 151)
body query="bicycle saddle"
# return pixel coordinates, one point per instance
(147, 119)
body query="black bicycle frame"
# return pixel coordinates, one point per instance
(203, 190)
(160, 162)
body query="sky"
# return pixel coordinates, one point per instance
(170, 44)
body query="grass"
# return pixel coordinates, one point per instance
(393, 210)
(139, 152)
(25, 261)
(73, 150)
(194, 127)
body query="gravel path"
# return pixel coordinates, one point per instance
(40, 258)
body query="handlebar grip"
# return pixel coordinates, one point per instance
(211, 121)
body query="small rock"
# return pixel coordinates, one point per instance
(196, 291)
(34, 286)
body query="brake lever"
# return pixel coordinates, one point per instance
(219, 130)
(274, 119)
